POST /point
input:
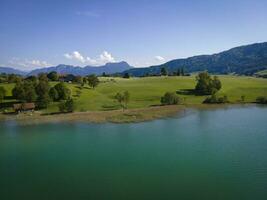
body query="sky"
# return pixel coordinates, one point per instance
(42, 33)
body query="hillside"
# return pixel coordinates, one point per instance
(240, 60)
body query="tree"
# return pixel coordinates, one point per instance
(104, 74)
(170, 98)
(53, 94)
(179, 72)
(93, 81)
(13, 78)
(2, 93)
(66, 106)
(216, 83)
(206, 85)
(42, 90)
(182, 71)
(123, 99)
(42, 77)
(24, 91)
(261, 100)
(78, 79)
(126, 75)
(62, 90)
(163, 71)
(29, 92)
(53, 76)
(84, 80)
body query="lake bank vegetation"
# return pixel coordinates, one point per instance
(53, 93)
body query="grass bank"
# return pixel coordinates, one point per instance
(99, 105)
(115, 116)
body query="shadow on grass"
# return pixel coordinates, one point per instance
(55, 113)
(187, 92)
(110, 107)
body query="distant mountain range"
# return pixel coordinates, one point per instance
(246, 60)
(109, 68)
(9, 70)
(240, 60)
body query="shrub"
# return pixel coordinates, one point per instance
(66, 106)
(261, 100)
(213, 99)
(123, 99)
(126, 75)
(170, 98)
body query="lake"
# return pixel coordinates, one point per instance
(207, 154)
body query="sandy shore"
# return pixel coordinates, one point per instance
(116, 116)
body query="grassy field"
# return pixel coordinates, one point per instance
(145, 92)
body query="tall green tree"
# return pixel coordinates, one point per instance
(66, 105)
(93, 81)
(206, 85)
(2, 94)
(53, 76)
(53, 94)
(42, 90)
(163, 71)
(63, 91)
(24, 91)
(123, 99)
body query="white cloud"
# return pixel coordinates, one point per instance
(106, 57)
(103, 58)
(75, 55)
(27, 64)
(159, 58)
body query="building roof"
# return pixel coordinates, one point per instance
(24, 106)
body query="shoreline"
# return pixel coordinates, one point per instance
(115, 116)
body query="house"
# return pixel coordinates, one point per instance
(24, 107)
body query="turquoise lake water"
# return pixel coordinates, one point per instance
(207, 154)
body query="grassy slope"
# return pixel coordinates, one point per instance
(147, 91)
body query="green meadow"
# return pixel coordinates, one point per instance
(146, 92)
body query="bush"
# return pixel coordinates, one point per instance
(170, 98)
(126, 75)
(206, 85)
(66, 106)
(213, 99)
(123, 99)
(261, 100)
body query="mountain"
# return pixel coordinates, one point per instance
(9, 70)
(109, 68)
(240, 60)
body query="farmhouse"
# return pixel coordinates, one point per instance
(24, 107)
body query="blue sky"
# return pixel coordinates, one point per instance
(35, 33)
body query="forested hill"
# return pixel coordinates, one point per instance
(240, 60)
